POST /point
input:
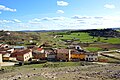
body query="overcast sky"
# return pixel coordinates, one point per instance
(59, 14)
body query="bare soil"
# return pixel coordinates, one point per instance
(108, 46)
(87, 72)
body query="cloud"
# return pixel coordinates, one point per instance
(37, 19)
(98, 17)
(76, 17)
(52, 18)
(80, 17)
(10, 21)
(60, 11)
(62, 3)
(4, 8)
(22, 25)
(0, 12)
(58, 18)
(46, 19)
(109, 6)
(6, 21)
(16, 20)
(55, 23)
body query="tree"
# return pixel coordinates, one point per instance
(98, 39)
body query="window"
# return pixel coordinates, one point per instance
(96, 59)
(91, 59)
(66, 54)
(86, 59)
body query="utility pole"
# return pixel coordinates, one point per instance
(0, 61)
(0, 66)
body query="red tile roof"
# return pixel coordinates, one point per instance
(3, 52)
(21, 52)
(40, 49)
(4, 49)
(66, 51)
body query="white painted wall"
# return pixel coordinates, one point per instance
(91, 57)
(0, 58)
(78, 47)
(27, 56)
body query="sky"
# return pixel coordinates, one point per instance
(17, 15)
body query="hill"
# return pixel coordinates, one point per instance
(13, 37)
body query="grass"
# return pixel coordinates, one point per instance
(112, 40)
(93, 49)
(118, 30)
(52, 65)
(83, 37)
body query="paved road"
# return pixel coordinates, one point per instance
(7, 64)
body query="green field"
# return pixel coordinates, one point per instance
(93, 49)
(112, 40)
(85, 37)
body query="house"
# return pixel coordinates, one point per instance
(78, 47)
(39, 54)
(31, 46)
(77, 55)
(91, 57)
(6, 56)
(8, 33)
(63, 54)
(6, 52)
(0, 58)
(19, 47)
(22, 55)
(51, 55)
(71, 47)
(4, 45)
(20, 42)
(9, 50)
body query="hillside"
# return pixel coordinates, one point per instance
(102, 32)
(13, 37)
(88, 39)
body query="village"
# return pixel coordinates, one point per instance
(20, 53)
(58, 55)
(64, 50)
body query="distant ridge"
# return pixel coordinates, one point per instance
(43, 30)
(64, 30)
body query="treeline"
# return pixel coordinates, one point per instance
(100, 32)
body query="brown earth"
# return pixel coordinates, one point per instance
(88, 72)
(108, 46)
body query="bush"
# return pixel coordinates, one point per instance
(21, 63)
